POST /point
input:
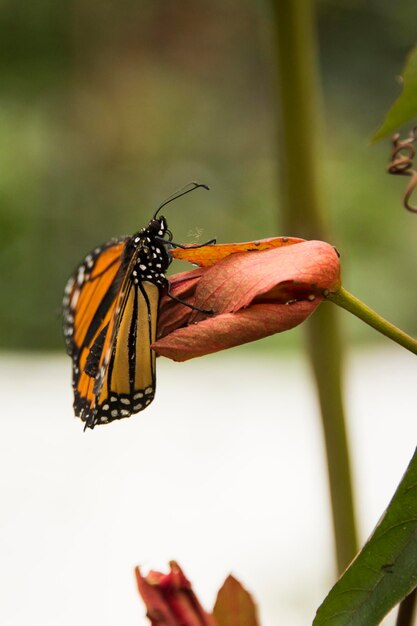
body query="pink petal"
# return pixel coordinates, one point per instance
(227, 330)
(171, 314)
(252, 295)
(232, 284)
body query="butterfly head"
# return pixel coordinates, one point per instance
(157, 227)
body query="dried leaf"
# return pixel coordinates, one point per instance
(234, 605)
(209, 255)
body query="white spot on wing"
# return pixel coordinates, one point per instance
(74, 298)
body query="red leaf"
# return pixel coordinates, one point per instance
(170, 600)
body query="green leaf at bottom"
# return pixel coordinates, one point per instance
(385, 570)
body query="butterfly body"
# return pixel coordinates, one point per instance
(152, 258)
(110, 321)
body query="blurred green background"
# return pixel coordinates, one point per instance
(106, 108)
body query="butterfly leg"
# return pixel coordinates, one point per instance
(191, 306)
(187, 247)
(89, 422)
(192, 246)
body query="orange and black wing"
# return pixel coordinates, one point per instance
(89, 306)
(110, 323)
(125, 383)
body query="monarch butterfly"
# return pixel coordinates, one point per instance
(110, 310)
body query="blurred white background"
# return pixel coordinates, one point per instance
(224, 472)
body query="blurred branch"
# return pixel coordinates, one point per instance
(300, 120)
(407, 610)
(401, 164)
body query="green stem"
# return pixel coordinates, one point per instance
(344, 299)
(301, 202)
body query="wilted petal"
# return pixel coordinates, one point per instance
(170, 600)
(252, 295)
(296, 271)
(228, 330)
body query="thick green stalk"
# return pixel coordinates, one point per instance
(300, 174)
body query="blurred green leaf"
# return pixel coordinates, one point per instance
(404, 108)
(385, 571)
(96, 156)
(234, 605)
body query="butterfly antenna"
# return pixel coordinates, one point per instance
(181, 192)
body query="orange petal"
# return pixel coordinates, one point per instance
(209, 255)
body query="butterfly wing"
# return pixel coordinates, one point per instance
(110, 323)
(89, 304)
(126, 381)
